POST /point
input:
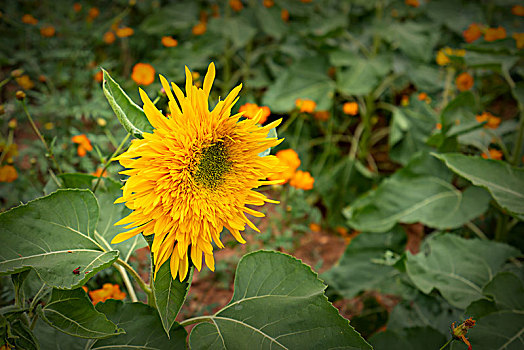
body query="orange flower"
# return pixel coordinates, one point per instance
(109, 37)
(492, 121)
(99, 76)
(47, 31)
(322, 115)
(29, 19)
(302, 180)
(268, 3)
(464, 82)
(342, 230)
(413, 3)
(84, 145)
(404, 101)
(315, 227)
(438, 126)
(93, 13)
(199, 29)
(422, 96)
(284, 14)
(8, 173)
(350, 108)
(236, 5)
(143, 74)
(493, 34)
(519, 40)
(251, 109)
(441, 58)
(169, 41)
(493, 154)
(108, 291)
(98, 173)
(305, 105)
(461, 331)
(289, 161)
(25, 82)
(215, 11)
(517, 10)
(472, 33)
(124, 32)
(77, 7)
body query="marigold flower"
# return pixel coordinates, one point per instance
(519, 40)
(472, 33)
(84, 145)
(302, 180)
(342, 231)
(404, 100)
(25, 82)
(124, 32)
(169, 41)
(199, 29)
(109, 37)
(464, 81)
(12, 124)
(194, 175)
(284, 14)
(268, 3)
(77, 7)
(350, 108)
(42, 78)
(305, 105)
(47, 31)
(143, 74)
(101, 122)
(98, 173)
(236, 5)
(99, 76)
(49, 126)
(315, 227)
(8, 173)
(493, 154)
(413, 3)
(29, 19)
(493, 34)
(422, 96)
(461, 331)
(251, 110)
(289, 162)
(108, 291)
(442, 59)
(93, 13)
(215, 11)
(492, 121)
(517, 10)
(322, 115)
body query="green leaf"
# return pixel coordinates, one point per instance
(131, 116)
(21, 336)
(504, 182)
(51, 338)
(270, 22)
(415, 338)
(71, 312)
(363, 76)
(170, 18)
(507, 290)
(413, 39)
(142, 326)
(457, 267)
(53, 235)
(278, 303)
(237, 29)
(359, 269)
(170, 295)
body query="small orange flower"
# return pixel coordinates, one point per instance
(8, 173)
(289, 161)
(350, 108)
(342, 230)
(25, 82)
(322, 115)
(199, 29)
(169, 41)
(124, 32)
(29, 19)
(493, 34)
(302, 180)
(305, 105)
(493, 154)
(284, 14)
(268, 3)
(422, 96)
(517, 10)
(404, 101)
(442, 59)
(143, 74)
(99, 76)
(215, 11)
(93, 13)
(236, 5)
(464, 81)
(47, 31)
(438, 126)
(492, 121)
(315, 227)
(413, 3)
(109, 37)
(461, 331)
(98, 173)
(519, 40)
(77, 7)
(472, 33)
(251, 109)
(108, 291)
(84, 145)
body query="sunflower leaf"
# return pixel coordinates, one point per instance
(53, 235)
(71, 312)
(130, 115)
(278, 302)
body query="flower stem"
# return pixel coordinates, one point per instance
(520, 137)
(447, 343)
(196, 320)
(127, 282)
(109, 161)
(136, 277)
(292, 117)
(39, 135)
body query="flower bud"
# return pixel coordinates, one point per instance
(20, 95)
(17, 73)
(12, 124)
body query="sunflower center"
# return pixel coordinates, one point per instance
(214, 164)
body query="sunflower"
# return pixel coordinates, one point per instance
(194, 175)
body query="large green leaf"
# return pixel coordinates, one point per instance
(170, 294)
(278, 303)
(362, 76)
(270, 22)
(359, 268)
(170, 18)
(50, 338)
(132, 117)
(504, 182)
(53, 235)
(142, 326)
(415, 40)
(236, 29)
(415, 338)
(457, 267)
(71, 312)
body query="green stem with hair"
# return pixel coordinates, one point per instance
(447, 343)
(109, 161)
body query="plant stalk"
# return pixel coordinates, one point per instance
(145, 287)
(196, 320)
(109, 161)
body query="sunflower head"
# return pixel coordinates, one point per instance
(194, 175)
